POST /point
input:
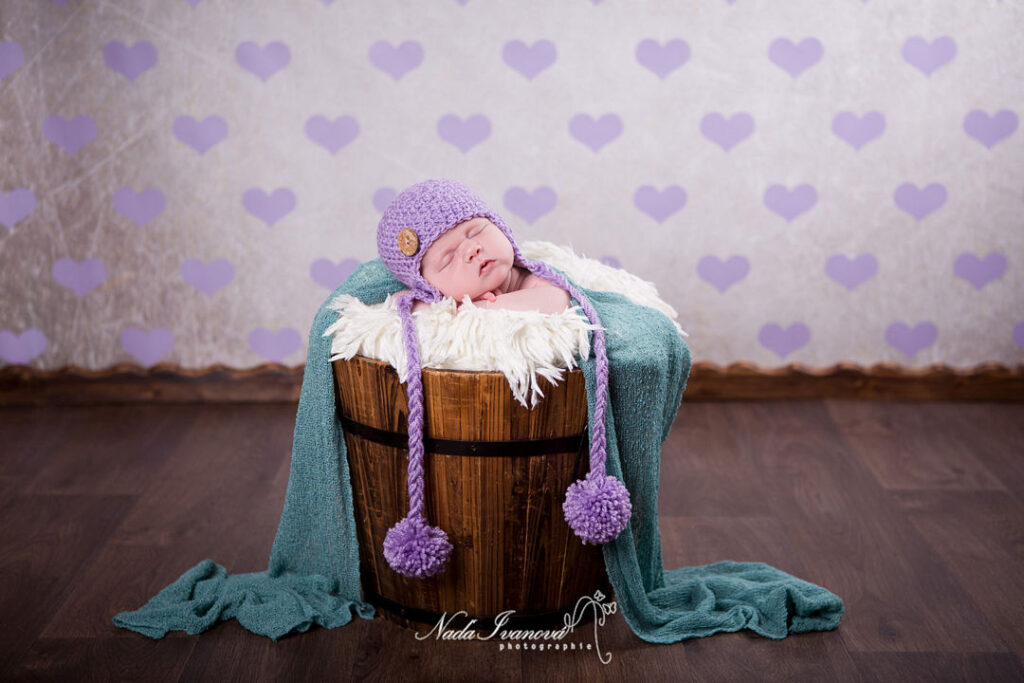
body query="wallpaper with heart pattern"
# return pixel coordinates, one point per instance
(807, 181)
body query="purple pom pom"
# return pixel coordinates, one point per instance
(597, 508)
(414, 548)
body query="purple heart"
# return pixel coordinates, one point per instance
(147, 347)
(130, 62)
(530, 205)
(263, 61)
(928, 57)
(850, 273)
(790, 203)
(611, 261)
(269, 209)
(142, 207)
(795, 59)
(80, 278)
(910, 341)
(20, 349)
(727, 133)
(396, 61)
(858, 131)
(275, 346)
(382, 197)
(200, 136)
(662, 60)
(12, 57)
(988, 130)
(16, 205)
(919, 203)
(1018, 334)
(60, 3)
(659, 205)
(207, 277)
(784, 341)
(723, 275)
(464, 134)
(328, 274)
(72, 135)
(980, 272)
(529, 61)
(332, 135)
(595, 134)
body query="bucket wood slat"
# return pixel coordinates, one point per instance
(503, 514)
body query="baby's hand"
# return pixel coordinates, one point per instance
(485, 300)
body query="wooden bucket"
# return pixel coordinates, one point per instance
(495, 475)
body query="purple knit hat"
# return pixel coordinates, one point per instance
(597, 508)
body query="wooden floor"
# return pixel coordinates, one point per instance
(913, 513)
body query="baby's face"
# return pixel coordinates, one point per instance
(472, 258)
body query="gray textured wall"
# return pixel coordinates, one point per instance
(809, 180)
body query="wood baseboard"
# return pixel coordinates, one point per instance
(274, 383)
(162, 383)
(883, 381)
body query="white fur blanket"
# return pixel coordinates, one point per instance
(523, 345)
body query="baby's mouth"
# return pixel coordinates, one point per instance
(486, 265)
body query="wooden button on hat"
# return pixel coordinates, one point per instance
(408, 242)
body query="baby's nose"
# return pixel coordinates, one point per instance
(472, 251)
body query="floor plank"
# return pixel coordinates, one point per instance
(890, 439)
(718, 479)
(388, 652)
(992, 432)
(108, 454)
(46, 541)
(744, 656)
(219, 496)
(978, 535)
(105, 659)
(937, 667)
(317, 655)
(29, 435)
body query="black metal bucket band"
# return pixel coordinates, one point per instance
(577, 443)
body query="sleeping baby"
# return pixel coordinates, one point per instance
(475, 259)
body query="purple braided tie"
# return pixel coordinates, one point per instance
(412, 547)
(597, 508)
(414, 385)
